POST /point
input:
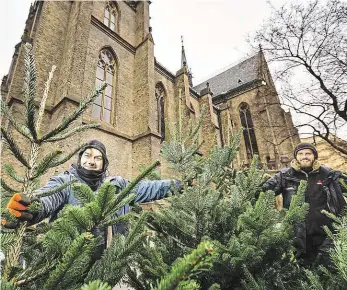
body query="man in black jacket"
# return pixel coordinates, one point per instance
(324, 192)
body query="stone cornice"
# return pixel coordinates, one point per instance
(104, 126)
(193, 93)
(164, 71)
(98, 24)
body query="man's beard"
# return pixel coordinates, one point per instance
(306, 166)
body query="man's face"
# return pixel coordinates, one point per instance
(305, 158)
(92, 159)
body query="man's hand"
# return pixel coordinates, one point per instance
(18, 207)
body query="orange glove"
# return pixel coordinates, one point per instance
(18, 206)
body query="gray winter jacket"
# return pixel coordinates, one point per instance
(145, 191)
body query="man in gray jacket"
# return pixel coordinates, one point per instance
(90, 169)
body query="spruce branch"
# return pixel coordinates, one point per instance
(108, 221)
(54, 190)
(72, 132)
(78, 112)
(6, 240)
(133, 183)
(114, 207)
(46, 163)
(30, 89)
(69, 156)
(79, 219)
(96, 285)
(14, 148)
(83, 192)
(106, 193)
(93, 210)
(250, 282)
(20, 128)
(183, 268)
(7, 187)
(44, 100)
(73, 264)
(12, 173)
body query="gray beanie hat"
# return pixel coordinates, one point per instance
(302, 146)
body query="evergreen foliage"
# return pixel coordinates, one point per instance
(59, 255)
(252, 239)
(35, 167)
(220, 232)
(334, 276)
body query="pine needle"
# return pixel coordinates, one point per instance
(78, 112)
(14, 148)
(30, 89)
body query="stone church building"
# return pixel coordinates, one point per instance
(91, 42)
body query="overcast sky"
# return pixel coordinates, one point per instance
(214, 31)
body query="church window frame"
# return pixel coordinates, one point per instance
(248, 130)
(111, 16)
(106, 71)
(160, 100)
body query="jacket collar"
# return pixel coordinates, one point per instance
(296, 166)
(326, 173)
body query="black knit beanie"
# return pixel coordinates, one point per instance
(96, 145)
(302, 146)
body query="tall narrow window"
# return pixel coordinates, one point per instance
(248, 131)
(111, 16)
(160, 109)
(105, 71)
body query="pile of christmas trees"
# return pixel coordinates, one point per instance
(219, 232)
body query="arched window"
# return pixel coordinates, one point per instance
(160, 109)
(248, 131)
(105, 71)
(111, 16)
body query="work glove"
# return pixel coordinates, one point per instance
(18, 206)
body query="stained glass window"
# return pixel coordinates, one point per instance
(160, 109)
(110, 16)
(248, 131)
(105, 71)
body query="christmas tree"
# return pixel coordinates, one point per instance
(253, 240)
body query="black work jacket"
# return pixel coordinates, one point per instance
(287, 182)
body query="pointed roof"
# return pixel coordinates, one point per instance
(240, 74)
(183, 55)
(184, 64)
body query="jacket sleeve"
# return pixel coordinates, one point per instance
(153, 190)
(52, 204)
(274, 184)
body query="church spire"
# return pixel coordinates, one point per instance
(184, 64)
(183, 55)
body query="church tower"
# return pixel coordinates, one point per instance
(91, 42)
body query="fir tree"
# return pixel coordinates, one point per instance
(31, 130)
(334, 276)
(253, 240)
(67, 253)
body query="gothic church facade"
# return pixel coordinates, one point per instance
(91, 42)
